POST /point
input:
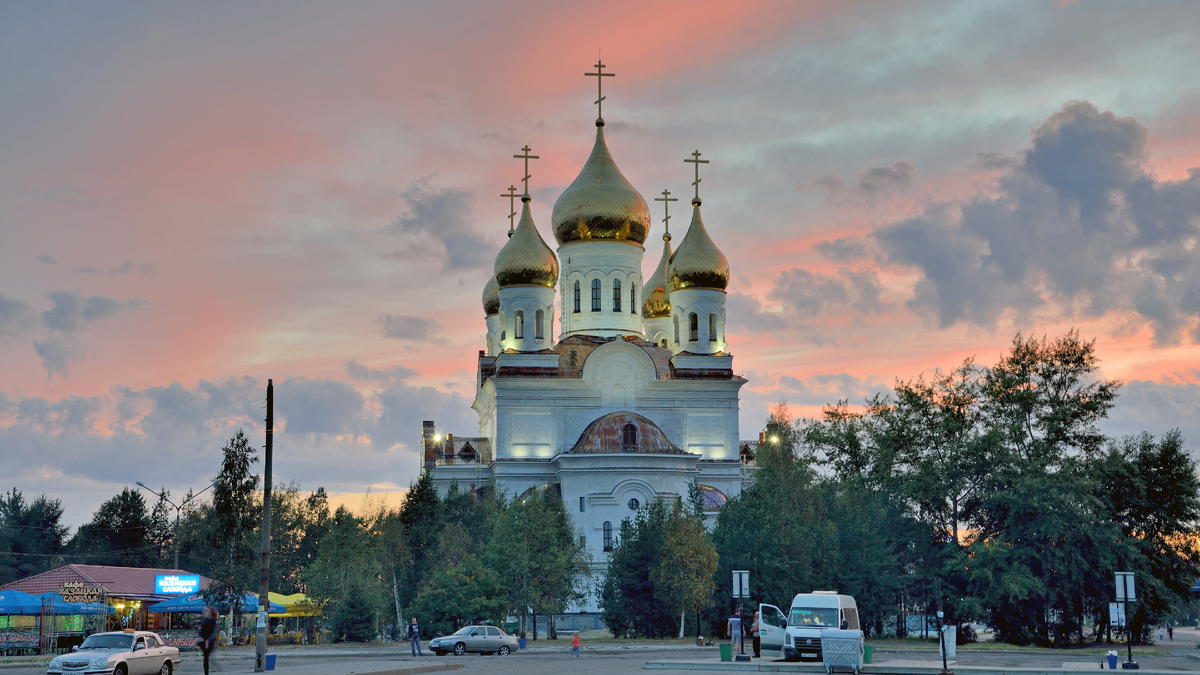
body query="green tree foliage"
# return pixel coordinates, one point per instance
(233, 524)
(119, 533)
(661, 568)
(537, 555)
(347, 576)
(32, 535)
(421, 517)
(460, 590)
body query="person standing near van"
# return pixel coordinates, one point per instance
(757, 636)
(208, 632)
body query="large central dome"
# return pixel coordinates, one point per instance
(600, 204)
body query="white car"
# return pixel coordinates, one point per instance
(481, 639)
(127, 652)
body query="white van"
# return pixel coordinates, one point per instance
(798, 635)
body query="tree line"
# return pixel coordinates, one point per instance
(994, 481)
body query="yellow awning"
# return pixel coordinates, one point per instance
(297, 604)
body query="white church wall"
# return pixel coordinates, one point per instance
(586, 261)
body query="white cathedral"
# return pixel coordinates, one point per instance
(636, 399)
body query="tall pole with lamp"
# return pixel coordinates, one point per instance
(178, 510)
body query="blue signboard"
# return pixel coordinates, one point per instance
(174, 584)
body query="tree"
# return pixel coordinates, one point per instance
(233, 522)
(684, 577)
(32, 536)
(538, 556)
(118, 534)
(347, 576)
(421, 516)
(460, 590)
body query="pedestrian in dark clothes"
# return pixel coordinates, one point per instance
(414, 637)
(208, 633)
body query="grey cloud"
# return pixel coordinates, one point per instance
(809, 295)
(443, 215)
(992, 161)
(320, 406)
(47, 259)
(71, 312)
(16, 316)
(845, 249)
(876, 181)
(415, 328)
(125, 268)
(1158, 407)
(172, 435)
(1076, 219)
(360, 371)
(883, 179)
(57, 353)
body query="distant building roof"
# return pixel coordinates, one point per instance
(122, 582)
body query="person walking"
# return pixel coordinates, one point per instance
(1170, 633)
(414, 637)
(756, 637)
(1160, 634)
(208, 633)
(575, 645)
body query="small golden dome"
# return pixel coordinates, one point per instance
(526, 260)
(491, 297)
(698, 263)
(657, 304)
(600, 204)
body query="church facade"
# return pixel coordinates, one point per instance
(635, 398)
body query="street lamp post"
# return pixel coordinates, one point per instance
(178, 510)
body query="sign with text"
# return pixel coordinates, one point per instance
(175, 584)
(1125, 590)
(77, 591)
(1116, 614)
(741, 583)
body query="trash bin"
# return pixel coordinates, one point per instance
(521, 643)
(1112, 661)
(270, 662)
(868, 653)
(726, 652)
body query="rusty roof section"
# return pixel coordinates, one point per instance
(607, 435)
(574, 350)
(121, 582)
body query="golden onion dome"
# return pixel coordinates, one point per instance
(698, 263)
(526, 260)
(656, 303)
(600, 204)
(491, 297)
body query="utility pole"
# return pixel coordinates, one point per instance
(937, 604)
(264, 579)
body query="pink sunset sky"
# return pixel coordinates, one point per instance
(197, 197)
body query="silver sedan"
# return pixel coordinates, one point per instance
(119, 653)
(478, 639)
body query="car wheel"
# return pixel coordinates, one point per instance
(120, 670)
(440, 653)
(460, 649)
(166, 669)
(504, 650)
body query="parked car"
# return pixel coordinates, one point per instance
(126, 652)
(479, 639)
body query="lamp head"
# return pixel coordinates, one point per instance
(140, 483)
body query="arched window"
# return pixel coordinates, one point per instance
(676, 330)
(712, 327)
(519, 329)
(607, 536)
(616, 295)
(633, 298)
(538, 319)
(629, 437)
(693, 327)
(595, 295)
(576, 297)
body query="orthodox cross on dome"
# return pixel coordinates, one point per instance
(666, 199)
(599, 75)
(526, 157)
(512, 195)
(697, 161)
